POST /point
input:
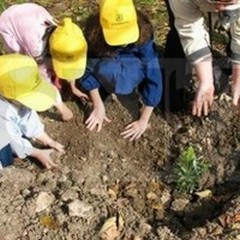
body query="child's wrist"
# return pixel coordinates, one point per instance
(98, 105)
(50, 142)
(144, 120)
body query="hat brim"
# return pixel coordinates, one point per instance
(121, 36)
(70, 70)
(43, 97)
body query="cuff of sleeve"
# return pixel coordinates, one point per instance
(22, 150)
(152, 103)
(87, 84)
(199, 55)
(235, 58)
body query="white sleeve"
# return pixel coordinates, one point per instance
(19, 124)
(20, 145)
(5, 138)
(31, 126)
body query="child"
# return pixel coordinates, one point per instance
(30, 30)
(122, 58)
(23, 92)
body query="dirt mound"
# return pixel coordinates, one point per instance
(102, 176)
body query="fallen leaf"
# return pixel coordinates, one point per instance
(204, 194)
(112, 193)
(226, 220)
(225, 97)
(236, 226)
(48, 221)
(111, 228)
(222, 220)
(158, 206)
(236, 217)
(151, 196)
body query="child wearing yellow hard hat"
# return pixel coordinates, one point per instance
(23, 91)
(122, 59)
(59, 49)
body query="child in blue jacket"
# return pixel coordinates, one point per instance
(122, 58)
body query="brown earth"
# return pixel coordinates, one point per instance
(113, 177)
(103, 176)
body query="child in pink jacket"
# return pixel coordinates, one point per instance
(29, 29)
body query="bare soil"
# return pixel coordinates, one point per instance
(103, 176)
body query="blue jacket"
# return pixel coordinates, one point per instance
(132, 66)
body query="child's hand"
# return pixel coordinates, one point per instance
(66, 113)
(44, 156)
(83, 97)
(56, 145)
(135, 129)
(48, 141)
(96, 118)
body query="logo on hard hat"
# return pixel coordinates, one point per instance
(119, 17)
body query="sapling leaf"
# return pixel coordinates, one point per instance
(189, 170)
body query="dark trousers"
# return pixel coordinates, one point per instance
(174, 69)
(6, 156)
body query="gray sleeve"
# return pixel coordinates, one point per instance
(235, 41)
(189, 22)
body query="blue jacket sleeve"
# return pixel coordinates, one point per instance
(88, 81)
(152, 85)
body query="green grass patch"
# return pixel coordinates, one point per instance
(145, 2)
(6, 3)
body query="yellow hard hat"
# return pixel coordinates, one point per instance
(68, 48)
(20, 80)
(118, 19)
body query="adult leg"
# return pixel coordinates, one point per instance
(174, 71)
(222, 69)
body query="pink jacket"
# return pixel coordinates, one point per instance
(22, 27)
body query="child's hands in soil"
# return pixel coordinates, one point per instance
(57, 146)
(96, 118)
(44, 157)
(83, 97)
(66, 114)
(64, 110)
(48, 141)
(135, 129)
